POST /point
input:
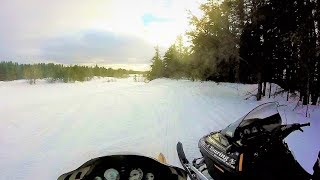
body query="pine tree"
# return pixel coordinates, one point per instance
(32, 72)
(157, 66)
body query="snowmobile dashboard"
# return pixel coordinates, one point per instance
(125, 167)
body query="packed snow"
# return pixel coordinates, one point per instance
(48, 129)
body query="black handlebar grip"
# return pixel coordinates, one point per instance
(305, 124)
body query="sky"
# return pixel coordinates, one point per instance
(120, 33)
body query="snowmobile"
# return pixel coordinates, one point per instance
(124, 166)
(252, 147)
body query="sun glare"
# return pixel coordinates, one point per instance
(168, 19)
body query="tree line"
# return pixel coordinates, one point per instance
(57, 72)
(250, 41)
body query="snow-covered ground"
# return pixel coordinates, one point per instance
(49, 129)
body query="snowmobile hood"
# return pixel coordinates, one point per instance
(265, 115)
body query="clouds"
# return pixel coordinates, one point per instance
(98, 46)
(74, 31)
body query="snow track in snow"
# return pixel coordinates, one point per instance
(49, 129)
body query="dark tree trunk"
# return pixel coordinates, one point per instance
(287, 95)
(314, 99)
(259, 87)
(305, 99)
(307, 94)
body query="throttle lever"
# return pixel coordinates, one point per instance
(300, 129)
(302, 125)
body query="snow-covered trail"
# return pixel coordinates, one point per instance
(49, 129)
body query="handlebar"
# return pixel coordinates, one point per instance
(299, 126)
(289, 128)
(305, 124)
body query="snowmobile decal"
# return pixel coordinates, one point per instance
(230, 162)
(224, 158)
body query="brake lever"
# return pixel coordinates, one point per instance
(297, 127)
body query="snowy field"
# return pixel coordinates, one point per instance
(49, 129)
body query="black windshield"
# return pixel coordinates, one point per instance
(266, 115)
